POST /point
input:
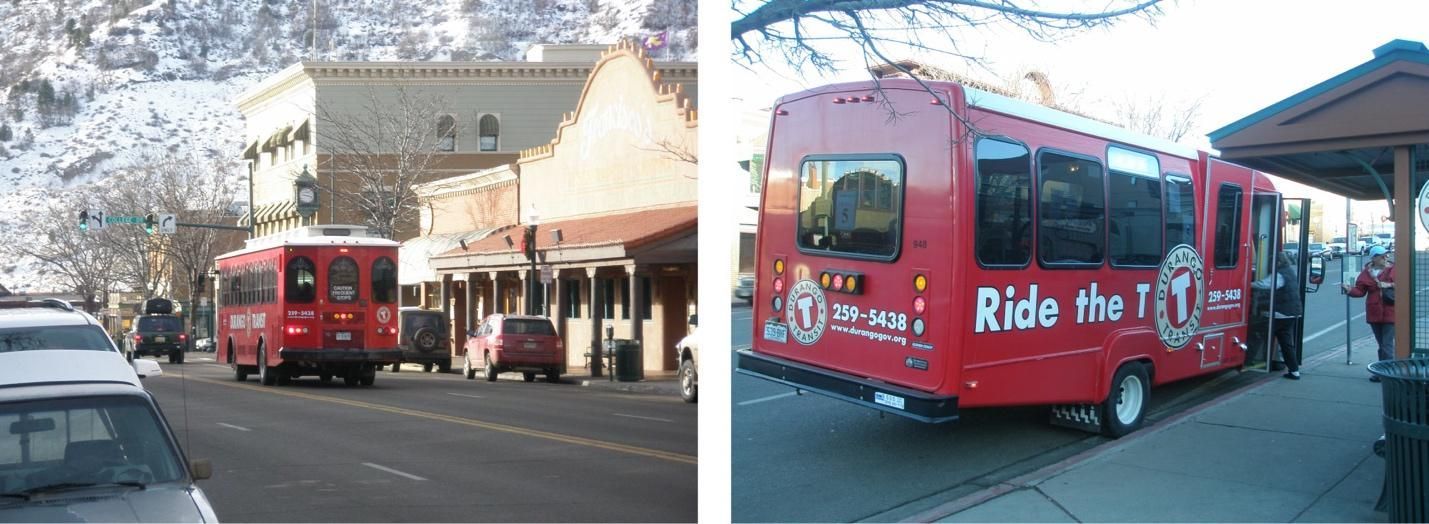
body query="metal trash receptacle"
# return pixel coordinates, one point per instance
(1405, 384)
(629, 363)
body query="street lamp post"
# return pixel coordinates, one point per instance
(533, 221)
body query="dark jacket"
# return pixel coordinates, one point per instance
(1287, 296)
(1375, 310)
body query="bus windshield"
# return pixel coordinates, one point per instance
(851, 205)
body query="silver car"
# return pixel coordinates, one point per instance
(84, 442)
(745, 290)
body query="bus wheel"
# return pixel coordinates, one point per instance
(266, 376)
(396, 366)
(350, 378)
(367, 376)
(1125, 407)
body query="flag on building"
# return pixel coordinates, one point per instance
(656, 41)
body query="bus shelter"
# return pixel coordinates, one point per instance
(1364, 134)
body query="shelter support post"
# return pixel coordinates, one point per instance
(1404, 220)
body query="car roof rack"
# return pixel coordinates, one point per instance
(38, 302)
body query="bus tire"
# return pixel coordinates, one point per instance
(350, 378)
(1124, 409)
(489, 369)
(367, 380)
(266, 376)
(396, 366)
(466, 368)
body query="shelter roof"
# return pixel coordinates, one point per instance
(630, 230)
(1336, 134)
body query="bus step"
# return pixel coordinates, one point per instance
(1086, 417)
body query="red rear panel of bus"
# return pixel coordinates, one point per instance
(853, 193)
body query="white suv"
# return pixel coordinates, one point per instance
(49, 324)
(688, 351)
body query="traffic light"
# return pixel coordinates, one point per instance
(149, 223)
(84, 220)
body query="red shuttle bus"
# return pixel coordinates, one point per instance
(921, 252)
(317, 300)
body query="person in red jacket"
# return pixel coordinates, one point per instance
(1377, 275)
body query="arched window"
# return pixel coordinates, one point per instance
(342, 278)
(446, 133)
(384, 280)
(490, 131)
(299, 281)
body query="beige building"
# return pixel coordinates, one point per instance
(615, 196)
(481, 115)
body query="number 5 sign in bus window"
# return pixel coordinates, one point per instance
(983, 251)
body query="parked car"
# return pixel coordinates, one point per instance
(425, 338)
(528, 344)
(1337, 247)
(1319, 248)
(688, 351)
(1292, 249)
(204, 344)
(745, 290)
(87, 443)
(52, 324)
(158, 335)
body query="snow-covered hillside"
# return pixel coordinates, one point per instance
(88, 85)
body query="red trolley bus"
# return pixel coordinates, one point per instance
(317, 300)
(974, 250)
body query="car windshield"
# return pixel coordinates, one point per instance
(160, 324)
(1317, 247)
(414, 322)
(527, 326)
(54, 337)
(80, 441)
(1290, 246)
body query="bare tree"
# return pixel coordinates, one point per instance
(81, 259)
(383, 148)
(801, 31)
(1157, 117)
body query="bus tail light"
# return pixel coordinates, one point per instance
(920, 283)
(838, 282)
(851, 283)
(778, 266)
(824, 279)
(918, 327)
(778, 304)
(297, 330)
(842, 282)
(919, 305)
(778, 285)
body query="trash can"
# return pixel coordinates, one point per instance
(629, 363)
(1405, 384)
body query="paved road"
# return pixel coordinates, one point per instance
(420, 447)
(811, 458)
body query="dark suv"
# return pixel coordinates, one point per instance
(424, 339)
(158, 335)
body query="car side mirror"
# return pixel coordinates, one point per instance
(471, 333)
(694, 320)
(146, 368)
(1316, 273)
(201, 469)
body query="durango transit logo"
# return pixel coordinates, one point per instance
(1178, 296)
(807, 312)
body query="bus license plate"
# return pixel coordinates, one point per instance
(776, 332)
(161, 339)
(344, 335)
(892, 401)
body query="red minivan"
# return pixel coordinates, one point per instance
(528, 344)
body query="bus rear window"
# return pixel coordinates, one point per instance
(342, 280)
(851, 205)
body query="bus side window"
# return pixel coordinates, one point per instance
(1180, 212)
(1003, 232)
(1071, 210)
(1228, 212)
(1135, 228)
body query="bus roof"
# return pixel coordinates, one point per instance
(328, 235)
(1038, 113)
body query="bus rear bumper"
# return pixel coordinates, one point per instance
(355, 355)
(889, 398)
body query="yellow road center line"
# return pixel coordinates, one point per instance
(569, 439)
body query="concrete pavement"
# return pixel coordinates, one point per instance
(1276, 450)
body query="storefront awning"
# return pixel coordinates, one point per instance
(413, 257)
(604, 237)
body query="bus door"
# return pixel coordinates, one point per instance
(1225, 237)
(1272, 232)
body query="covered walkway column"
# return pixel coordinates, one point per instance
(1405, 220)
(597, 302)
(637, 321)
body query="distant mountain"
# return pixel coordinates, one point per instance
(87, 84)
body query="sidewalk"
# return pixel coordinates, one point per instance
(1276, 450)
(656, 382)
